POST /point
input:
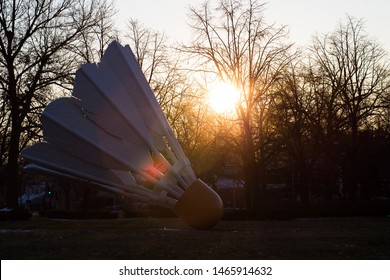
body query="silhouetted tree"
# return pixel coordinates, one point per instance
(234, 43)
(356, 71)
(298, 116)
(93, 41)
(35, 61)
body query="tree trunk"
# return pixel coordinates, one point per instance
(249, 166)
(12, 169)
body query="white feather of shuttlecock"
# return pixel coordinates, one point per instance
(113, 133)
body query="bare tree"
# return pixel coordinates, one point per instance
(34, 60)
(150, 48)
(306, 118)
(356, 71)
(159, 65)
(168, 83)
(234, 43)
(93, 41)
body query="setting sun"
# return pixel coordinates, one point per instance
(223, 97)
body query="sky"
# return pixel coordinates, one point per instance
(305, 18)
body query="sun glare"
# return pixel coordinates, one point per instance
(223, 98)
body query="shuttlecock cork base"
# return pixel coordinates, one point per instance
(200, 207)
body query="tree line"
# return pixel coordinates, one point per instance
(306, 117)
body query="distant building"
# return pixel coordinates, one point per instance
(231, 191)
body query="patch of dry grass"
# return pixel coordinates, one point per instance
(147, 238)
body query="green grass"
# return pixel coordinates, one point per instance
(147, 238)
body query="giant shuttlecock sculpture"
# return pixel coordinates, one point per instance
(113, 133)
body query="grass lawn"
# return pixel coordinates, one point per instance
(147, 238)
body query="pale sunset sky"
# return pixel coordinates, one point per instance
(304, 17)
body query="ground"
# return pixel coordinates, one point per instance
(147, 238)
